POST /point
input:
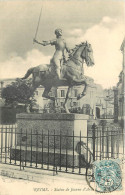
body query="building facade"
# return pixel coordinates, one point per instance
(121, 87)
(97, 103)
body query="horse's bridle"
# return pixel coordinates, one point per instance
(77, 60)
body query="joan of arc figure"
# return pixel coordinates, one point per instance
(60, 47)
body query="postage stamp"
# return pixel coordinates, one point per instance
(108, 176)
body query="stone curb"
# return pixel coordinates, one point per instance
(36, 175)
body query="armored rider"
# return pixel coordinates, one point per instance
(60, 47)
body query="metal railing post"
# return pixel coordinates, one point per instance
(73, 152)
(36, 148)
(93, 138)
(6, 145)
(42, 150)
(107, 144)
(48, 152)
(20, 148)
(80, 154)
(66, 151)
(60, 150)
(26, 149)
(1, 142)
(31, 149)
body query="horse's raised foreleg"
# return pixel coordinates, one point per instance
(67, 97)
(83, 92)
(46, 93)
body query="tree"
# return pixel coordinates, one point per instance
(18, 92)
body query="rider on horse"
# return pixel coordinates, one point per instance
(58, 57)
(72, 70)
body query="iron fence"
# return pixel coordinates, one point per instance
(108, 142)
(58, 151)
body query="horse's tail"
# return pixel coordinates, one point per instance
(29, 72)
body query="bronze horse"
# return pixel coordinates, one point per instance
(72, 70)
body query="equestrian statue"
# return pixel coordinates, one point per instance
(62, 72)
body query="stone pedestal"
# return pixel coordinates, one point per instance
(50, 137)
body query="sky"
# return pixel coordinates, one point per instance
(100, 22)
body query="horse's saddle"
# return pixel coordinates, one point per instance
(44, 68)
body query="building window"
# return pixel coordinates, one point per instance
(62, 104)
(62, 93)
(75, 93)
(74, 104)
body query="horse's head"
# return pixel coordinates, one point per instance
(87, 54)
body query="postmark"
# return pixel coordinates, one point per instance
(107, 176)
